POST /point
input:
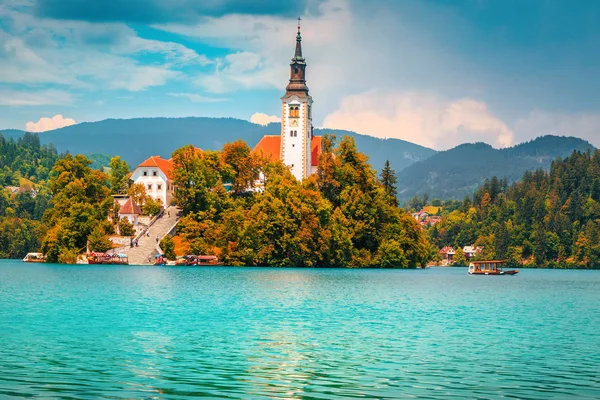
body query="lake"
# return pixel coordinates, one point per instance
(166, 332)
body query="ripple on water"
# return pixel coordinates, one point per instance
(131, 332)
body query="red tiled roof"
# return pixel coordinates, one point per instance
(315, 151)
(270, 147)
(166, 166)
(130, 207)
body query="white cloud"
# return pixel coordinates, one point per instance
(48, 124)
(86, 55)
(196, 98)
(264, 119)
(38, 98)
(421, 118)
(539, 122)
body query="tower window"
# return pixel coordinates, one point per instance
(296, 70)
(294, 111)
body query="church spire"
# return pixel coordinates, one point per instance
(297, 83)
(298, 55)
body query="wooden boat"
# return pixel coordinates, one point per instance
(107, 258)
(95, 258)
(208, 261)
(490, 268)
(35, 258)
(185, 261)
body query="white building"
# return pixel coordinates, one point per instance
(295, 146)
(156, 175)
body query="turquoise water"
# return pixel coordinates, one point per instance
(159, 332)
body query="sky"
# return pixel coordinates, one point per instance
(434, 72)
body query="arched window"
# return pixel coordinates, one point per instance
(294, 111)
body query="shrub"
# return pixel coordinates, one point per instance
(168, 247)
(67, 256)
(98, 242)
(107, 227)
(126, 227)
(152, 207)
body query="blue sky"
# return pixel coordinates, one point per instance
(437, 73)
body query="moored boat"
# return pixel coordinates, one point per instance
(107, 258)
(493, 267)
(208, 261)
(35, 258)
(160, 259)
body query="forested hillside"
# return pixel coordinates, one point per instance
(24, 170)
(546, 219)
(458, 172)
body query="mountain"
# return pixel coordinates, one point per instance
(12, 133)
(457, 172)
(137, 139)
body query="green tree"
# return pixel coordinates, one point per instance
(119, 175)
(168, 247)
(97, 241)
(126, 227)
(388, 180)
(459, 257)
(152, 207)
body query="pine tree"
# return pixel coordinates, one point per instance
(388, 179)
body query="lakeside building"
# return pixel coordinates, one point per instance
(296, 145)
(155, 174)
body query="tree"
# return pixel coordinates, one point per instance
(196, 174)
(126, 227)
(459, 258)
(98, 242)
(388, 180)
(152, 207)
(119, 175)
(138, 194)
(168, 247)
(241, 166)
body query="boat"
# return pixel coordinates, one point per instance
(490, 268)
(185, 261)
(160, 259)
(107, 258)
(208, 261)
(194, 260)
(35, 258)
(95, 258)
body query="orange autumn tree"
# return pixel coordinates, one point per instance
(340, 217)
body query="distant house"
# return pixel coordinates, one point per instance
(420, 215)
(21, 189)
(155, 174)
(431, 221)
(131, 211)
(448, 254)
(472, 251)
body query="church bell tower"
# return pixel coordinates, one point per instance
(296, 117)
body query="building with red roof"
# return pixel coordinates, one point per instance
(156, 174)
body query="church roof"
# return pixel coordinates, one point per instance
(166, 166)
(270, 147)
(130, 207)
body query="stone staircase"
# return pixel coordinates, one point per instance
(147, 246)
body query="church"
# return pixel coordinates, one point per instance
(295, 146)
